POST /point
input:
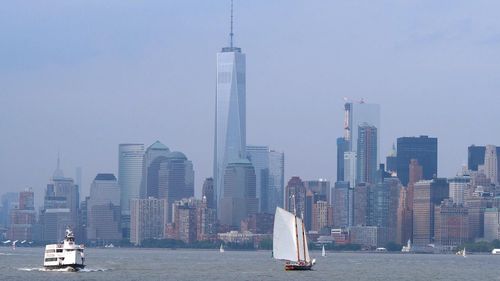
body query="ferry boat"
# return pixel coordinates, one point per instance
(495, 252)
(65, 255)
(290, 241)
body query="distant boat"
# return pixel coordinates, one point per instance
(109, 245)
(462, 253)
(221, 249)
(407, 248)
(381, 250)
(495, 252)
(290, 241)
(323, 253)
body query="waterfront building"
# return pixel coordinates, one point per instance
(476, 206)
(148, 219)
(427, 194)
(322, 215)
(451, 224)
(424, 149)
(103, 210)
(23, 218)
(239, 199)
(260, 223)
(491, 224)
(368, 236)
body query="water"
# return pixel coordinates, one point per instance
(179, 265)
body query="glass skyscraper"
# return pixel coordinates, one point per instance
(230, 113)
(424, 149)
(130, 157)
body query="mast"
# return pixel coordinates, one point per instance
(297, 239)
(304, 240)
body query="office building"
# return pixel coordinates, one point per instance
(23, 218)
(230, 113)
(342, 147)
(423, 149)
(367, 151)
(155, 155)
(148, 219)
(208, 192)
(451, 224)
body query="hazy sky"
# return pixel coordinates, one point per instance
(83, 76)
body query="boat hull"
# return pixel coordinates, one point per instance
(298, 266)
(70, 267)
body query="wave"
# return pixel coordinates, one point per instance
(67, 269)
(5, 254)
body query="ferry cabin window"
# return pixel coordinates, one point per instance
(59, 251)
(50, 251)
(51, 259)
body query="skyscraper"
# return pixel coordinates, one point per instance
(342, 147)
(239, 200)
(208, 192)
(230, 111)
(130, 158)
(424, 149)
(23, 218)
(130, 162)
(103, 209)
(175, 179)
(491, 163)
(259, 157)
(355, 115)
(276, 180)
(153, 157)
(148, 218)
(366, 164)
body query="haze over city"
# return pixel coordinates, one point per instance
(79, 78)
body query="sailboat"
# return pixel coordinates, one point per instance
(290, 241)
(323, 253)
(464, 253)
(221, 249)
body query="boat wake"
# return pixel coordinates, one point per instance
(67, 269)
(5, 254)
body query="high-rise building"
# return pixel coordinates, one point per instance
(451, 224)
(355, 115)
(150, 184)
(148, 218)
(427, 194)
(342, 147)
(424, 149)
(175, 179)
(103, 210)
(9, 201)
(23, 218)
(490, 166)
(476, 206)
(259, 156)
(491, 224)
(320, 187)
(61, 207)
(361, 195)
(366, 164)
(230, 113)
(322, 215)
(295, 196)
(350, 168)
(342, 203)
(130, 162)
(382, 206)
(391, 161)
(239, 200)
(276, 189)
(208, 192)
(476, 157)
(459, 186)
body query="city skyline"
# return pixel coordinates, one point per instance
(49, 97)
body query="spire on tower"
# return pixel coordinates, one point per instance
(231, 34)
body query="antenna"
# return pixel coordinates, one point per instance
(231, 34)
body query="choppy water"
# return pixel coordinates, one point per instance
(180, 265)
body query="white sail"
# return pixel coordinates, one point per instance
(323, 252)
(284, 236)
(306, 245)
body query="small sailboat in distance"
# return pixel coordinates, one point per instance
(221, 249)
(290, 241)
(464, 253)
(323, 252)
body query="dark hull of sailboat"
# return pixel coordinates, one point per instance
(305, 266)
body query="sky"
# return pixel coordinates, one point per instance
(80, 77)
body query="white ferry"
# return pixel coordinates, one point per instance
(66, 255)
(495, 252)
